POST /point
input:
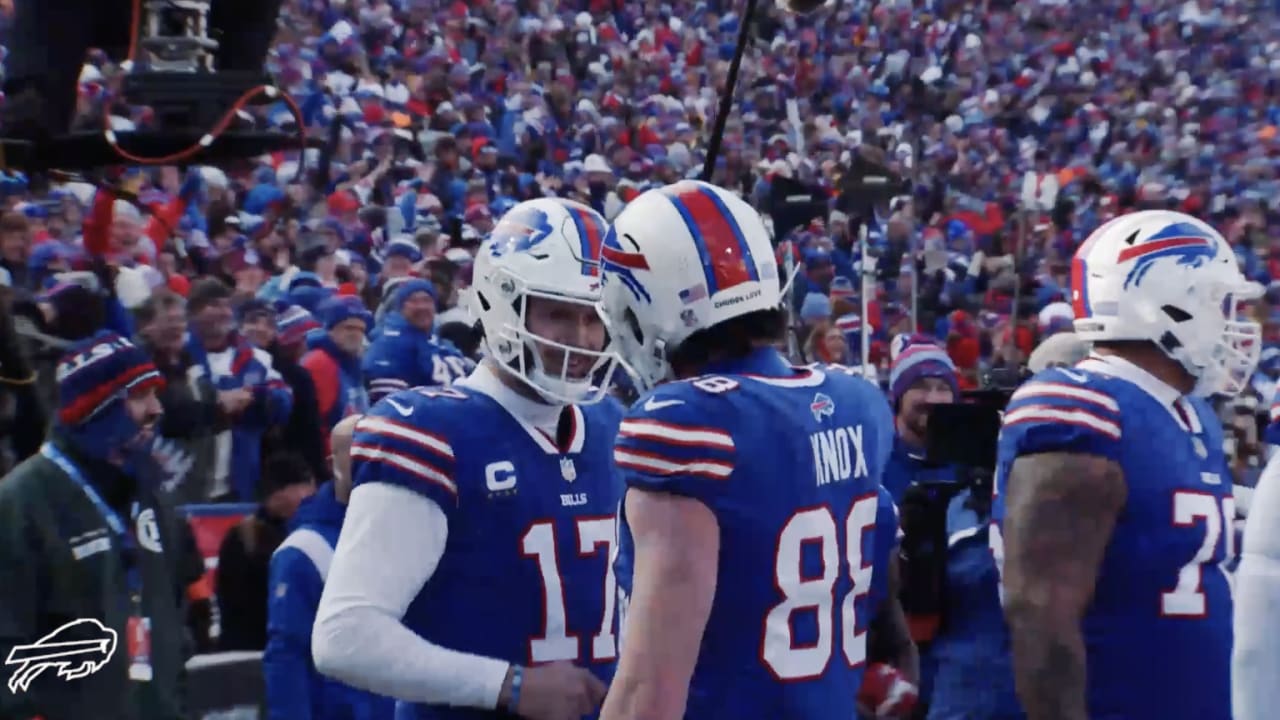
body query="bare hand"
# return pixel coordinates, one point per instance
(559, 691)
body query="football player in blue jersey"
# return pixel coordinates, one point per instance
(1255, 669)
(472, 576)
(1113, 502)
(748, 544)
(1256, 657)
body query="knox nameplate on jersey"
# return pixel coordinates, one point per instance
(567, 469)
(838, 454)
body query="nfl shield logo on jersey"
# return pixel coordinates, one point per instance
(567, 470)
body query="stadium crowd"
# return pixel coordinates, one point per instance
(279, 295)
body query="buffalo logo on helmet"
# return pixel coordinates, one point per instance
(1187, 243)
(519, 231)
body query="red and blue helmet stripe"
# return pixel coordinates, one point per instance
(722, 247)
(591, 231)
(621, 263)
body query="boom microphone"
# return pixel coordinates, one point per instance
(802, 7)
(799, 7)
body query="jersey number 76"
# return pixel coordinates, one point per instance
(539, 543)
(786, 659)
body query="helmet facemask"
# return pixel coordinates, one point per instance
(520, 351)
(640, 353)
(1225, 364)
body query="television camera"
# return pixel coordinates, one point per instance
(171, 69)
(962, 436)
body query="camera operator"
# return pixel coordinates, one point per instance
(921, 375)
(950, 582)
(969, 655)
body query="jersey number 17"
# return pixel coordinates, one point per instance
(556, 643)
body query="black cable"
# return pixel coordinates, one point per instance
(726, 99)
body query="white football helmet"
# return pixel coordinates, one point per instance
(677, 260)
(1171, 279)
(546, 248)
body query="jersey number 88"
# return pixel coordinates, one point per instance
(784, 658)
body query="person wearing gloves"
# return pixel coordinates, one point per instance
(921, 375)
(89, 551)
(405, 352)
(295, 690)
(333, 359)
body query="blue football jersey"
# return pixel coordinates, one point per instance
(883, 545)
(789, 460)
(1158, 632)
(526, 574)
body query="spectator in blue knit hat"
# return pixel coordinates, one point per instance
(817, 275)
(333, 359)
(814, 311)
(405, 352)
(921, 375)
(399, 257)
(956, 618)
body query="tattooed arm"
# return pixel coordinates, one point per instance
(1060, 511)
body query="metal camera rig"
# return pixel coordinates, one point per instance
(171, 69)
(178, 78)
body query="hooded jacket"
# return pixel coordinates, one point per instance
(295, 690)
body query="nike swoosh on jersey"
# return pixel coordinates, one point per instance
(404, 411)
(654, 404)
(1078, 377)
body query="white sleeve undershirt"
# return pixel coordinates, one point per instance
(391, 542)
(1255, 667)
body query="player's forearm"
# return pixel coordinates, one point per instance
(359, 635)
(889, 637)
(634, 698)
(287, 673)
(1049, 663)
(677, 555)
(368, 649)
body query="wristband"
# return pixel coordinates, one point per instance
(517, 679)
